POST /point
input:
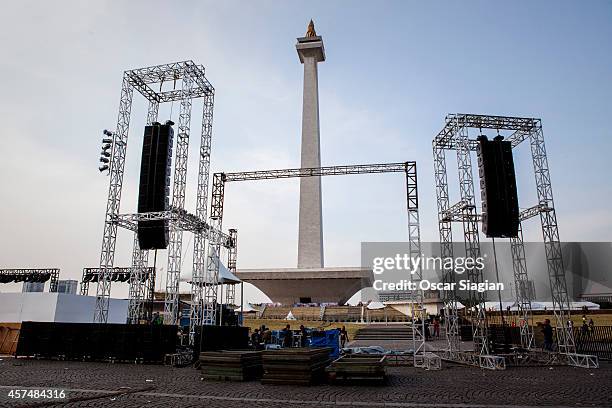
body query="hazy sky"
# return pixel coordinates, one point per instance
(394, 70)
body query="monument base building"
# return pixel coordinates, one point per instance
(289, 286)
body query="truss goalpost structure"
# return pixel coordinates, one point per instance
(421, 358)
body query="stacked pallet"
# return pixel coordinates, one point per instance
(298, 366)
(230, 365)
(362, 368)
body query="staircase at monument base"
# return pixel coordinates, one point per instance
(393, 332)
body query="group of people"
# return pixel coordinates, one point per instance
(260, 337)
(587, 327)
(547, 330)
(157, 319)
(289, 338)
(431, 327)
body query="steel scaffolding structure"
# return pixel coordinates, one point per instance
(232, 255)
(31, 275)
(409, 168)
(455, 136)
(193, 84)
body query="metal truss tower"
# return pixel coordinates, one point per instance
(414, 239)
(175, 245)
(455, 136)
(232, 255)
(193, 85)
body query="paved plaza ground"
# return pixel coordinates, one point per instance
(162, 386)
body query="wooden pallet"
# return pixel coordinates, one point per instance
(231, 365)
(358, 368)
(298, 366)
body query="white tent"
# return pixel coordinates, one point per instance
(460, 306)
(290, 316)
(583, 303)
(226, 277)
(374, 305)
(574, 305)
(247, 308)
(494, 306)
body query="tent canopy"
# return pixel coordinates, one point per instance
(573, 305)
(494, 306)
(374, 305)
(225, 276)
(247, 308)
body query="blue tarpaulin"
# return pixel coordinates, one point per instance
(327, 338)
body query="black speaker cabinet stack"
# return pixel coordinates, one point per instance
(222, 338)
(500, 210)
(97, 341)
(154, 190)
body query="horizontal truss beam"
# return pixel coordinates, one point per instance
(22, 274)
(522, 127)
(320, 171)
(454, 213)
(142, 79)
(184, 222)
(144, 273)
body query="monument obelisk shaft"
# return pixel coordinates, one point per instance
(310, 241)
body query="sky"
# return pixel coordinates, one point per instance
(394, 70)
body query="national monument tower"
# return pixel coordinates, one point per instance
(310, 240)
(310, 282)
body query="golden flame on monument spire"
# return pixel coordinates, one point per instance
(310, 31)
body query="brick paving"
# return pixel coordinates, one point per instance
(453, 386)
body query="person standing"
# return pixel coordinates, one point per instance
(256, 339)
(287, 337)
(343, 337)
(591, 326)
(547, 331)
(157, 319)
(303, 336)
(436, 328)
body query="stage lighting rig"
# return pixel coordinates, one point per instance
(107, 151)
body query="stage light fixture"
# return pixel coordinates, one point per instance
(103, 168)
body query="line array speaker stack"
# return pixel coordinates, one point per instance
(154, 191)
(500, 210)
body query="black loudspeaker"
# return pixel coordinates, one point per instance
(222, 338)
(500, 211)
(154, 191)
